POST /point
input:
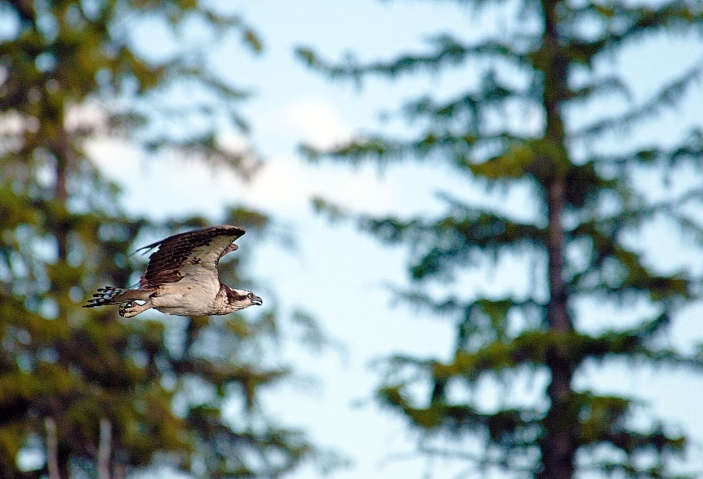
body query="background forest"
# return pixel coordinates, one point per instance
(475, 224)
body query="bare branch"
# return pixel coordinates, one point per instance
(104, 449)
(52, 448)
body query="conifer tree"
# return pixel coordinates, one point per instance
(83, 391)
(549, 62)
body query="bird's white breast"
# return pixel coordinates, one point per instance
(194, 295)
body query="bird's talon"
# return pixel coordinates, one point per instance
(123, 308)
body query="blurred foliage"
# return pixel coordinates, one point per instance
(180, 393)
(525, 120)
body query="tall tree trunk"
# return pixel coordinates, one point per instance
(60, 227)
(558, 444)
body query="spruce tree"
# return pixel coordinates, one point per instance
(547, 62)
(83, 391)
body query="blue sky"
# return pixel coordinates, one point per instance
(338, 273)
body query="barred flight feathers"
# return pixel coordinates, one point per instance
(204, 247)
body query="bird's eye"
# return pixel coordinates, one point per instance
(250, 295)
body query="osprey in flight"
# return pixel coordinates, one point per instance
(182, 278)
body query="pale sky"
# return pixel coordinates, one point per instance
(337, 273)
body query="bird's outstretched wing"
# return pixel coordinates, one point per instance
(192, 253)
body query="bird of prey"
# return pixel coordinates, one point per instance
(182, 278)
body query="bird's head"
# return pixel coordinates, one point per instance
(241, 298)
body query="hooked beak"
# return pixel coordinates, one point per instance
(257, 301)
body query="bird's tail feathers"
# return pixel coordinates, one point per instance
(111, 295)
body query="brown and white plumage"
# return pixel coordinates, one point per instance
(182, 278)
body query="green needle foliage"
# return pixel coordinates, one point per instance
(83, 391)
(528, 119)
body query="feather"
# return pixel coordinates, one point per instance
(181, 278)
(199, 249)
